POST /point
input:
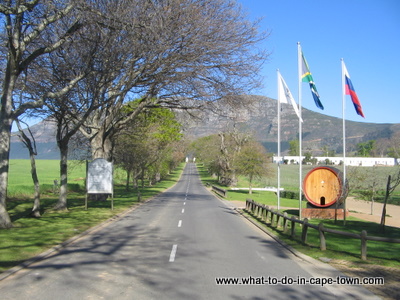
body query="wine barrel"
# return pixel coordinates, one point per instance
(324, 186)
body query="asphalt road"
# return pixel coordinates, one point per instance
(174, 247)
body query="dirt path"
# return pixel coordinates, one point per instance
(362, 209)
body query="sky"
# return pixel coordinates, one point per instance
(365, 33)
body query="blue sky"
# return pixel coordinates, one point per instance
(365, 33)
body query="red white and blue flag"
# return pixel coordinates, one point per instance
(349, 90)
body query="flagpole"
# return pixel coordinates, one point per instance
(344, 138)
(278, 192)
(300, 126)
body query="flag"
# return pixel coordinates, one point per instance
(285, 96)
(307, 77)
(349, 90)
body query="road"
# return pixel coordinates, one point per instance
(173, 247)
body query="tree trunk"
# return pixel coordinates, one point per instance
(62, 200)
(142, 177)
(5, 133)
(383, 217)
(32, 152)
(128, 178)
(101, 146)
(5, 136)
(36, 200)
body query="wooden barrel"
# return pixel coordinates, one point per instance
(323, 186)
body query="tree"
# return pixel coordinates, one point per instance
(328, 152)
(178, 54)
(366, 149)
(392, 183)
(32, 29)
(294, 147)
(30, 144)
(394, 148)
(145, 146)
(89, 55)
(252, 161)
(206, 150)
(223, 155)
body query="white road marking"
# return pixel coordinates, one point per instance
(184, 203)
(180, 223)
(173, 252)
(183, 210)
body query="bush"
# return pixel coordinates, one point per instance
(292, 195)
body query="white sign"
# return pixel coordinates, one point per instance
(100, 177)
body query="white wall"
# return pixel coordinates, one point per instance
(350, 161)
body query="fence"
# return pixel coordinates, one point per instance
(219, 191)
(262, 211)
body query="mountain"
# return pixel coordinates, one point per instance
(260, 119)
(257, 115)
(44, 133)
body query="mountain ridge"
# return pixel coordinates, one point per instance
(318, 130)
(258, 116)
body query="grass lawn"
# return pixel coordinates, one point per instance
(31, 236)
(344, 248)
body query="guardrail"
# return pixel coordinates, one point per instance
(219, 191)
(262, 211)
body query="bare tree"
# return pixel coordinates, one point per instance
(91, 54)
(30, 144)
(31, 30)
(392, 183)
(179, 54)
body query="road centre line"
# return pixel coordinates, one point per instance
(173, 253)
(180, 223)
(183, 210)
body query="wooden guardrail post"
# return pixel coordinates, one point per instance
(285, 221)
(272, 217)
(304, 231)
(293, 226)
(363, 237)
(277, 219)
(322, 240)
(263, 213)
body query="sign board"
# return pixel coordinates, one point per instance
(99, 177)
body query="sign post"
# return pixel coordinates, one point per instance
(99, 179)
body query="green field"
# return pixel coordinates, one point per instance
(20, 182)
